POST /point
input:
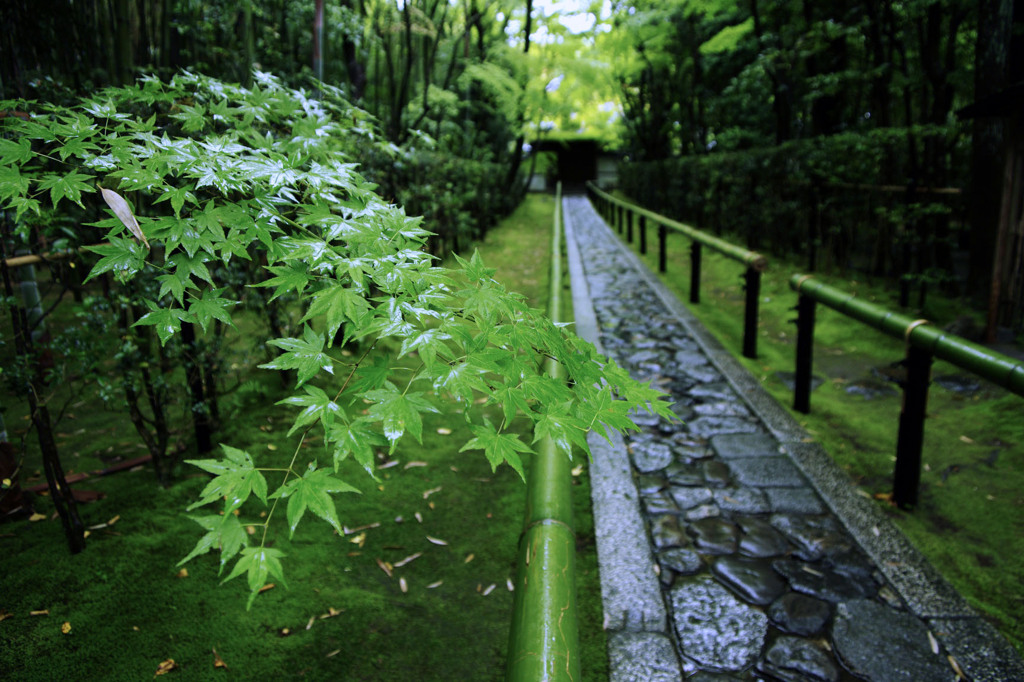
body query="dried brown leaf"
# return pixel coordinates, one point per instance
(414, 463)
(124, 213)
(40, 612)
(469, 557)
(65, 627)
(183, 573)
(165, 667)
(428, 493)
(218, 662)
(384, 566)
(268, 586)
(411, 557)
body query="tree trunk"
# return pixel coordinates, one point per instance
(194, 379)
(991, 58)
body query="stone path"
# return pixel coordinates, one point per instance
(730, 548)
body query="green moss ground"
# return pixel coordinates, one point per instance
(129, 609)
(970, 518)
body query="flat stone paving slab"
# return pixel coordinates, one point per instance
(709, 532)
(733, 445)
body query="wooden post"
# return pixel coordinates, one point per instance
(643, 235)
(907, 473)
(804, 354)
(662, 248)
(695, 258)
(753, 287)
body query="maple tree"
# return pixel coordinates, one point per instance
(265, 174)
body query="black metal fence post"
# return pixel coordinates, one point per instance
(804, 354)
(907, 472)
(662, 248)
(643, 234)
(629, 227)
(695, 258)
(753, 287)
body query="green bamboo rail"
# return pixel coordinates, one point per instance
(544, 636)
(620, 213)
(924, 343)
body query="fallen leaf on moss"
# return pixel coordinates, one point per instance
(183, 573)
(384, 566)
(436, 541)
(404, 586)
(433, 585)
(37, 517)
(411, 557)
(5, 615)
(359, 539)
(218, 662)
(489, 589)
(268, 586)
(415, 463)
(165, 667)
(65, 627)
(428, 493)
(469, 557)
(40, 612)
(444, 432)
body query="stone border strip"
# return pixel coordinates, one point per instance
(634, 611)
(981, 651)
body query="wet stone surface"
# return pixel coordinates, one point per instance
(761, 581)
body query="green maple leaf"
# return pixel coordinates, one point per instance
(224, 532)
(69, 186)
(123, 257)
(313, 492)
(319, 406)
(166, 321)
(563, 429)
(212, 307)
(498, 447)
(337, 303)
(12, 152)
(258, 563)
(305, 355)
(357, 439)
(399, 412)
(289, 278)
(236, 479)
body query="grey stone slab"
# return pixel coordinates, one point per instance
(733, 445)
(799, 614)
(706, 427)
(752, 580)
(716, 629)
(802, 500)
(794, 659)
(650, 456)
(742, 500)
(642, 657)
(879, 644)
(774, 472)
(690, 497)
